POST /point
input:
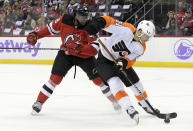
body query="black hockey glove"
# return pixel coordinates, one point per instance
(92, 28)
(95, 26)
(121, 64)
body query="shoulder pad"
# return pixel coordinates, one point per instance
(68, 19)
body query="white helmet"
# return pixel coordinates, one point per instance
(147, 28)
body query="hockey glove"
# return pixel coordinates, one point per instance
(92, 29)
(121, 64)
(95, 26)
(32, 38)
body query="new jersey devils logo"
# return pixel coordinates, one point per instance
(72, 39)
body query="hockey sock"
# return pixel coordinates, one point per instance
(139, 85)
(107, 92)
(119, 93)
(45, 92)
(105, 89)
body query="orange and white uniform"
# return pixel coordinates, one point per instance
(121, 45)
(121, 32)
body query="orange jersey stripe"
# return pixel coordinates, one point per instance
(144, 47)
(130, 26)
(139, 98)
(120, 95)
(111, 21)
(129, 62)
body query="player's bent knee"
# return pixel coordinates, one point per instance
(56, 79)
(98, 81)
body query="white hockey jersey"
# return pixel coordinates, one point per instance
(121, 43)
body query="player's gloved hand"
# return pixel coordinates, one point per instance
(92, 28)
(73, 48)
(121, 64)
(94, 36)
(32, 38)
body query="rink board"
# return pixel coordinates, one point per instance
(160, 51)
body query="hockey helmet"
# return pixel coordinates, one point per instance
(147, 28)
(82, 10)
(82, 14)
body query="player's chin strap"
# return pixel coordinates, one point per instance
(139, 37)
(167, 116)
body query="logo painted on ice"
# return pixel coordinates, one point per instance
(12, 44)
(183, 49)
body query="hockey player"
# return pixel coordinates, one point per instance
(125, 44)
(75, 50)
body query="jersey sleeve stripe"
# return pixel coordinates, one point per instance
(52, 31)
(130, 26)
(96, 46)
(94, 43)
(144, 47)
(109, 21)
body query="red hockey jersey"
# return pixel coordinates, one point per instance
(69, 32)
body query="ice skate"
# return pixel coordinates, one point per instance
(148, 110)
(36, 108)
(134, 115)
(116, 107)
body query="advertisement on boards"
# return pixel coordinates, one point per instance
(183, 49)
(26, 51)
(160, 51)
(169, 49)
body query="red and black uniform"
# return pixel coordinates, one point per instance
(75, 50)
(70, 34)
(81, 55)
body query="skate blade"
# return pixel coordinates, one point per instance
(118, 111)
(117, 108)
(136, 119)
(34, 113)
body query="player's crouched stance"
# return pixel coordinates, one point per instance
(75, 50)
(125, 45)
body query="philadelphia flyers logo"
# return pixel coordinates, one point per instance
(72, 39)
(121, 48)
(124, 53)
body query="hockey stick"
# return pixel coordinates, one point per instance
(166, 116)
(31, 48)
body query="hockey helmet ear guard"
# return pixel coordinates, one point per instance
(147, 28)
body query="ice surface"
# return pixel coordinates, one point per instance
(78, 105)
